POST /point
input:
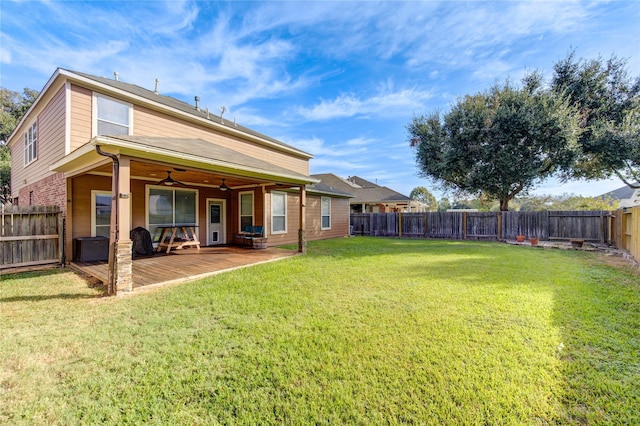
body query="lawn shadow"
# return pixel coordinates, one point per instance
(91, 283)
(597, 316)
(39, 298)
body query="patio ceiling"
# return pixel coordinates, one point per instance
(154, 172)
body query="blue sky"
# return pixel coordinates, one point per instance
(340, 80)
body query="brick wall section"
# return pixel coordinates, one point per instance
(50, 191)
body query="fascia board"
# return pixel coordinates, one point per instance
(87, 155)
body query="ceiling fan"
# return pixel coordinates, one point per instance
(169, 181)
(224, 187)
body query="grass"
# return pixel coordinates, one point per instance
(359, 331)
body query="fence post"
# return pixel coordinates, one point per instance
(61, 254)
(426, 216)
(399, 224)
(464, 225)
(499, 225)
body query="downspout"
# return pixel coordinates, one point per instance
(115, 185)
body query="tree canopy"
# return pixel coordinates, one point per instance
(422, 194)
(608, 100)
(499, 143)
(14, 106)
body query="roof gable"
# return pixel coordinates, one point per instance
(170, 103)
(165, 104)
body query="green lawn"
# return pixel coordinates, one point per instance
(359, 331)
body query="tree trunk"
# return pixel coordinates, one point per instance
(504, 204)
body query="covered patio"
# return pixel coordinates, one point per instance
(214, 191)
(187, 264)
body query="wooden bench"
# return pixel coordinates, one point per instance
(252, 236)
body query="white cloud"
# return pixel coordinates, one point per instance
(384, 104)
(5, 56)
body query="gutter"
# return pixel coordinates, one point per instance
(115, 185)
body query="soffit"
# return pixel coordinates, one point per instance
(181, 153)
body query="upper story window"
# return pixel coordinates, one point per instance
(113, 117)
(31, 144)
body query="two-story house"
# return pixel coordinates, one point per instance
(94, 145)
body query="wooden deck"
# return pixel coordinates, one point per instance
(187, 264)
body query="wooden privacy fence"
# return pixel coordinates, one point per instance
(30, 235)
(546, 225)
(626, 230)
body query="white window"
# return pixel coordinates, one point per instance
(325, 212)
(31, 144)
(100, 213)
(278, 212)
(246, 210)
(170, 207)
(112, 117)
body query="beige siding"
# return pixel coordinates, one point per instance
(339, 219)
(51, 123)
(81, 104)
(148, 122)
(293, 222)
(81, 201)
(151, 123)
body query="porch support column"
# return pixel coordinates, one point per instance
(302, 237)
(123, 250)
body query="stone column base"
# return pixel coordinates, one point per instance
(124, 266)
(302, 241)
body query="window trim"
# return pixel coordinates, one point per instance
(146, 208)
(253, 208)
(94, 193)
(284, 194)
(94, 118)
(30, 144)
(322, 215)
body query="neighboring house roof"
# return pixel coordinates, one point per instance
(626, 195)
(363, 190)
(620, 193)
(321, 188)
(191, 152)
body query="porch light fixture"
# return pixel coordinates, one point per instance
(169, 181)
(224, 187)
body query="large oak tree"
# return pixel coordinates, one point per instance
(499, 143)
(609, 103)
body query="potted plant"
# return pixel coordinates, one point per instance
(520, 238)
(576, 243)
(534, 241)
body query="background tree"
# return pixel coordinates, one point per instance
(14, 106)
(422, 194)
(566, 202)
(609, 103)
(499, 143)
(5, 175)
(444, 204)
